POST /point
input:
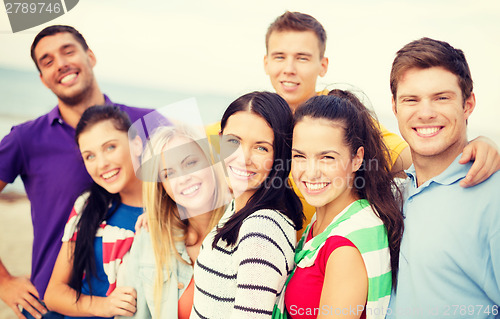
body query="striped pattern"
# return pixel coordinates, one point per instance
(243, 281)
(116, 242)
(366, 231)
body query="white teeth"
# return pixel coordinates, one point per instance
(240, 172)
(289, 84)
(190, 190)
(68, 78)
(316, 186)
(110, 174)
(427, 130)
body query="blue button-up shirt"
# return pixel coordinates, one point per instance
(449, 264)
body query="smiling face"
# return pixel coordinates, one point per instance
(322, 165)
(65, 67)
(106, 154)
(187, 176)
(247, 147)
(293, 63)
(431, 113)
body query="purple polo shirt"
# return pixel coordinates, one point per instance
(44, 153)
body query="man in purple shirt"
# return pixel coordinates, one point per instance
(44, 153)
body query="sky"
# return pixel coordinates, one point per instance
(217, 47)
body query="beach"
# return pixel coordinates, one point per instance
(16, 239)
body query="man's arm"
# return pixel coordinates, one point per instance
(486, 157)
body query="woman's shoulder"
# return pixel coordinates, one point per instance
(80, 202)
(266, 215)
(268, 221)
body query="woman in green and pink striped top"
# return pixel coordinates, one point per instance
(347, 258)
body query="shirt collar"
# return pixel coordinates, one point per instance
(55, 116)
(450, 175)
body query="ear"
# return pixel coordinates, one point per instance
(136, 146)
(394, 110)
(357, 160)
(92, 57)
(266, 64)
(469, 106)
(324, 66)
(43, 81)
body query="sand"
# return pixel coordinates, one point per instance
(15, 222)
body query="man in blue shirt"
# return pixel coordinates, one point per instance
(449, 262)
(44, 153)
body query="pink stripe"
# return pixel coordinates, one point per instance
(118, 249)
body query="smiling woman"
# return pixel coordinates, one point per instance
(245, 260)
(100, 229)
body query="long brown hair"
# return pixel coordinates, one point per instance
(378, 186)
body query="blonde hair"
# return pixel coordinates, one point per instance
(165, 224)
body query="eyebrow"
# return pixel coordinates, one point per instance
(298, 53)
(320, 153)
(186, 158)
(258, 142)
(264, 142)
(46, 55)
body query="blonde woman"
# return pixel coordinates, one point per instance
(184, 198)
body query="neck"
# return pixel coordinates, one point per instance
(197, 230)
(428, 167)
(200, 223)
(71, 111)
(294, 106)
(326, 214)
(132, 195)
(242, 200)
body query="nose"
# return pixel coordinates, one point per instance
(312, 169)
(60, 61)
(183, 178)
(289, 66)
(102, 162)
(426, 110)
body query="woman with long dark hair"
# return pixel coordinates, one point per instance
(245, 260)
(101, 226)
(348, 256)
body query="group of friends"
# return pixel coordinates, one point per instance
(301, 209)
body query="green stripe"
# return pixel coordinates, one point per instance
(314, 243)
(369, 239)
(379, 287)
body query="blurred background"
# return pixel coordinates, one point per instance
(156, 52)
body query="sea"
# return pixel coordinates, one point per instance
(23, 97)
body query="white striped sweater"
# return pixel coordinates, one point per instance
(242, 281)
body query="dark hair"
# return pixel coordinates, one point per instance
(296, 21)
(54, 29)
(360, 130)
(96, 208)
(276, 112)
(427, 53)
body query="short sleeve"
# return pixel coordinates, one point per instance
(393, 142)
(11, 157)
(70, 228)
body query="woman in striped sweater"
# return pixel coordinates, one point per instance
(347, 258)
(245, 260)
